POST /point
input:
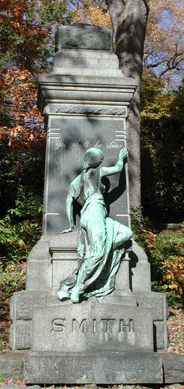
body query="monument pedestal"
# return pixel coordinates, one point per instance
(109, 340)
(94, 367)
(106, 340)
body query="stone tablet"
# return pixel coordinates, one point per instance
(83, 36)
(92, 326)
(69, 138)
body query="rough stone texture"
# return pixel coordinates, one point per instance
(11, 366)
(101, 368)
(85, 59)
(21, 305)
(140, 275)
(173, 367)
(92, 109)
(83, 36)
(158, 303)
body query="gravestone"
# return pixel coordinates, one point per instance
(114, 339)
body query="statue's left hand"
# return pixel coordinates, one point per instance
(123, 154)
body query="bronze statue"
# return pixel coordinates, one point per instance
(102, 240)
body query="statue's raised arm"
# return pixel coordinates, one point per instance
(108, 171)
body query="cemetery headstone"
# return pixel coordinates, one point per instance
(106, 340)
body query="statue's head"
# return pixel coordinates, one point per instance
(93, 158)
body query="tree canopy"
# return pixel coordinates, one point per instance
(164, 44)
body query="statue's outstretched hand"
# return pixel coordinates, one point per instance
(123, 153)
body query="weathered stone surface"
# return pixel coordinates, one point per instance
(11, 366)
(154, 300)
(158, 304)
(84, 36)
(161, 335)
(92, 109)
(89, 87)
(140, 276)
(39, 275)
(20, 335)
(21, 305)
(91, 325)
(101, 368)
(173, 367)
(86, 59)
(24, 302)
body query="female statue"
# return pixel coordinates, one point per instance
(101, 240)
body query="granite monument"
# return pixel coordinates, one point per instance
(91, 337)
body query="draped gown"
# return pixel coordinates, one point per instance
(98, 255)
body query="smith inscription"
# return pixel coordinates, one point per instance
(93, 325)
(84, 327)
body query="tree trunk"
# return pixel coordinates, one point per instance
(129, 20)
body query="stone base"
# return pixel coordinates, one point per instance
(173, 366)
(12, 366)
(135, 367)
(24, 304)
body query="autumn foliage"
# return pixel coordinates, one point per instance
(26, 32)
(164, 44)
(19, 100)
(20, 37)
(93, 13)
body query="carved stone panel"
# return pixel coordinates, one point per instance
(92, 326)
(68, 139)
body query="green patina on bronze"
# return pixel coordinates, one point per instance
(102, 240)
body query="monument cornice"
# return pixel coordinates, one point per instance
(56, 88)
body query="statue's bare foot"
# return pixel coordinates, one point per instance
(74, 295)
(62, 294)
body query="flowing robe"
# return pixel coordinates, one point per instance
(98, 261)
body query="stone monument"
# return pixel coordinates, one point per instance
(106, 339)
